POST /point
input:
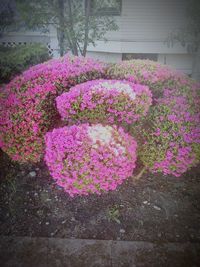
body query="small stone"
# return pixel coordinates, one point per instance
(32, 174)
(156, 207)
(159, 234)
(35, 194)
(25, 210)
(47, 223)
(141, 222)
(122, 231)
(63, 221)
(145, 202)
(37, 169)
(73, 219)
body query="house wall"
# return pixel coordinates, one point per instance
(150, 20)
(105, 56)
(181, 62)
(25, 37)
(144, 26)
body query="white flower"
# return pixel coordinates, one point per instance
(100, 133)
(103, 134)
(119, 86)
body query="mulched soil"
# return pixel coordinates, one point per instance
(154, 208)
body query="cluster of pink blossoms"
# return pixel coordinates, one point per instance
(170, 132)
(109, 101)
(27, 103)
(152, 74)
(170, 142)
(173, 143)
(87, 158)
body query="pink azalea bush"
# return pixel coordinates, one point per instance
(89, 158)
(27, 103)
(172, 144)
(169, 136)
(106, 101)
(166, 126)
(156, 76)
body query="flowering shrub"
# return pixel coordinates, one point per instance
(14, 60)
(172, 144)
(89, 159)
(170, 139)
(168, 135)
(150, 73)
(27, 103)
(104, 101)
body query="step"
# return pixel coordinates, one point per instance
(58, 252)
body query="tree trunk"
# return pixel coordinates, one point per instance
(87, 17)
(72, 33)
(196, 65)
(60, 30)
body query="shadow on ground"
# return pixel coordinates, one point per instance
(156, 209)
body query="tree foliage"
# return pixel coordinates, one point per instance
(7, 14)
(76, 26)
(189, 34)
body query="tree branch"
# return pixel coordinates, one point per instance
(139, 175)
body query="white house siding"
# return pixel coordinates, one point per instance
(144, 26)
(106, 57)
(26, 37)
(181, 62)
(150, 20)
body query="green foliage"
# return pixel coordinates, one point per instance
(7, 14)
(75, 25)
(14, 60)
(189, 34)
(114, 214)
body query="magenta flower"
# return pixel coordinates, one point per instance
(105, 101)
(27, 107)
(90, 159)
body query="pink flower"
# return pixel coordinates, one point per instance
(27, 109)
(89, 159)
(105, 101)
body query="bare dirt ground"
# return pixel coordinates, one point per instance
(156, 208)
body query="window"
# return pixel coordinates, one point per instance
(105, 7)
(153, 57)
